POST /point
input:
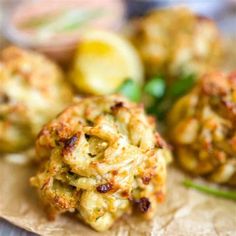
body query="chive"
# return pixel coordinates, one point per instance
(131, 90)
(155, 87)
(81, 19)
(67, 20)
(38, 21)
(212, 191)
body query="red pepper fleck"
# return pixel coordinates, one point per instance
(143, 204)
(125, 194)
(146, 180)
(117, 106)
(68, 143)
(104, 188)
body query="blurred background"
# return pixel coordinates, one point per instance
(223, 12)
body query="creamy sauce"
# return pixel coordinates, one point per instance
(56, 26)
(64, 14)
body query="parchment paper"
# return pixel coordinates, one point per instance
(185, 212)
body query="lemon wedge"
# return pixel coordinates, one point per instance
(103, 60)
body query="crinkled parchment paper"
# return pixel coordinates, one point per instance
(185, 212)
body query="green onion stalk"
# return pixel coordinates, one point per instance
(212, 191)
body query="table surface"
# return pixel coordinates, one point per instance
(8, 229)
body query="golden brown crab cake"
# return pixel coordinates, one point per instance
(100, 157)
(203, 128)
(32, 91)
(174, 42)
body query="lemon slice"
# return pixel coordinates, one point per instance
(103, 60)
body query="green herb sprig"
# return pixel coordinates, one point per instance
(131, 90)
(158, 96)
(212, 191)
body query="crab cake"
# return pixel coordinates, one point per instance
(100, 158)
(32, 91)
(203, 128)
(175, 42)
